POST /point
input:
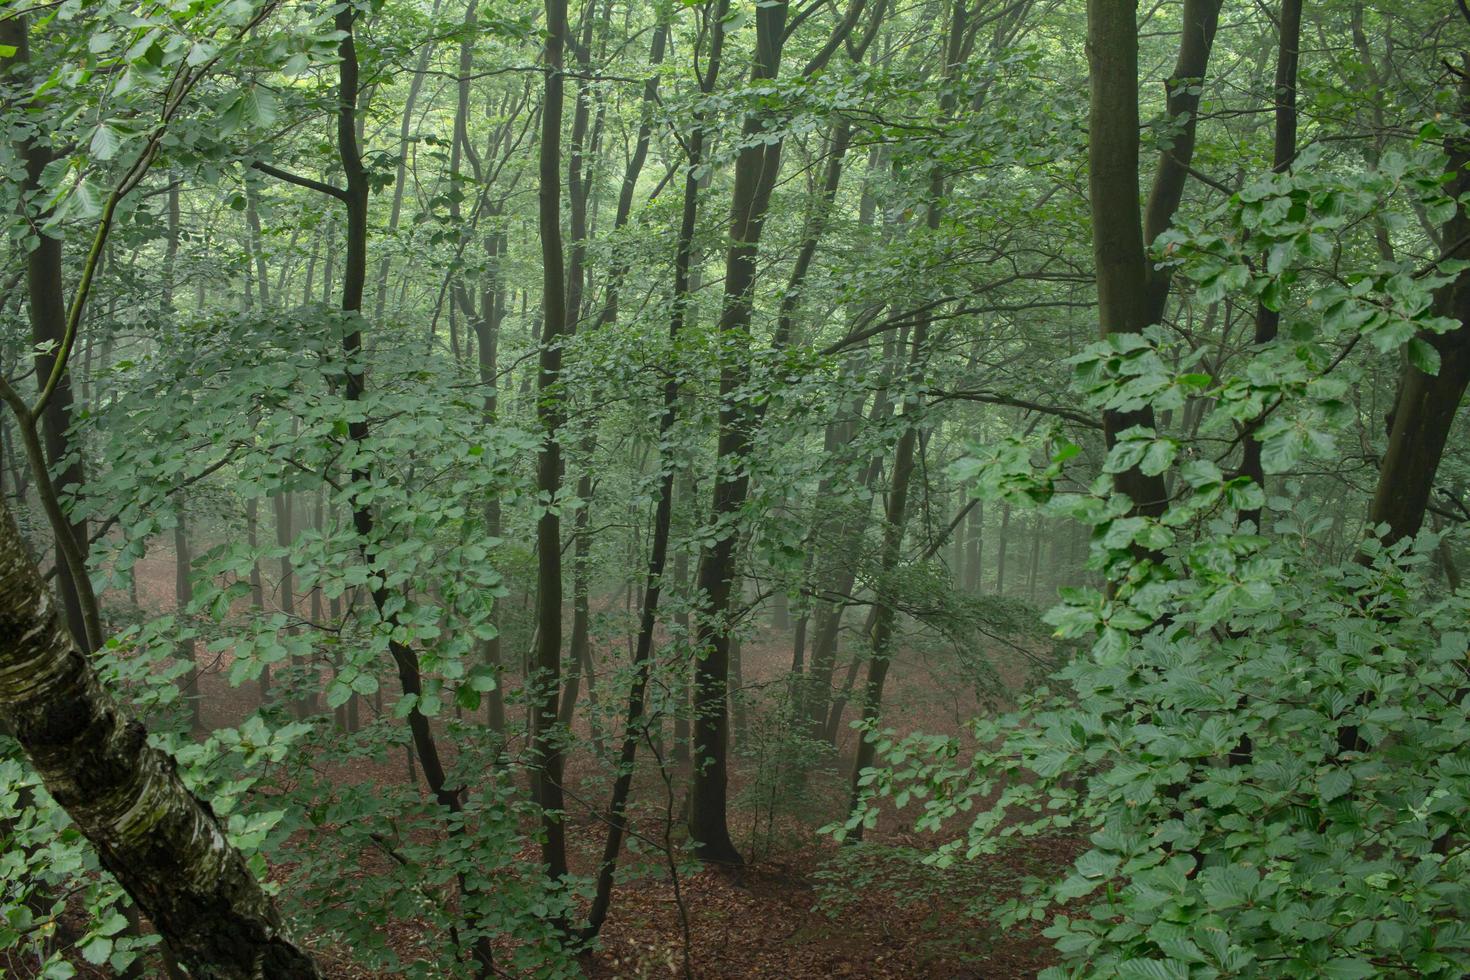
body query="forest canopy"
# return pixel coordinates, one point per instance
(734, 488)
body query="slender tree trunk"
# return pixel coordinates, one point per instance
(47, 311)
(1288, 56)
(355, 197)
(707, 818)
(415, 84)
(975, 546)
(885, 603)
(545, 686)
(257, 584)
(183, 595)
(634, 727)
(1003, 540)
(1033, 566)
(256, 245)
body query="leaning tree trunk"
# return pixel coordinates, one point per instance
(164, 846)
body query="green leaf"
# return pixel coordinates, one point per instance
(1140, 969)
(1229, 886)
(97, 951)
(1424, 356)
(104, 142)
(1334, 783)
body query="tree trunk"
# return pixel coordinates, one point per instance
(885, 602)
(257, 584)
(1130, 294)
(164, 846)
(546, 753)
(1001, 545)
(183, 595)
(1288, 56)
(47, 311)
(1425, 407)
(975, 545)
(415, 84)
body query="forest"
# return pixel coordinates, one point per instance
(734, 488)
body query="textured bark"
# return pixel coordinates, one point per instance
(164, 846)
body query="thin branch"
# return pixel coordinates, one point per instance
(321, 187)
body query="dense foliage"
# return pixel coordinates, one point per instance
(507, 452)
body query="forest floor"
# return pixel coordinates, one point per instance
(804, 907)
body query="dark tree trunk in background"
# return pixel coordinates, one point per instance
(1002, 543)
(257, 584)
(545, 686)
(183, 595)
(285, 535)
(634, 727)
(1130, 294)
(885, 601)
(1425, 407)
(1288, 56)
(355, 198)
(256, 248)
(975, 546)
(47, 311)
(405, 130)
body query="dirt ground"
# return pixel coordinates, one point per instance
(768, 919)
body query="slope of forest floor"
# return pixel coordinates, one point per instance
(804, 907)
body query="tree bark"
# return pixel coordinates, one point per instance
(1130, 296)
(164, 846)
(756, 169)
(545, 686)
(47, 312)
(1425, 406)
